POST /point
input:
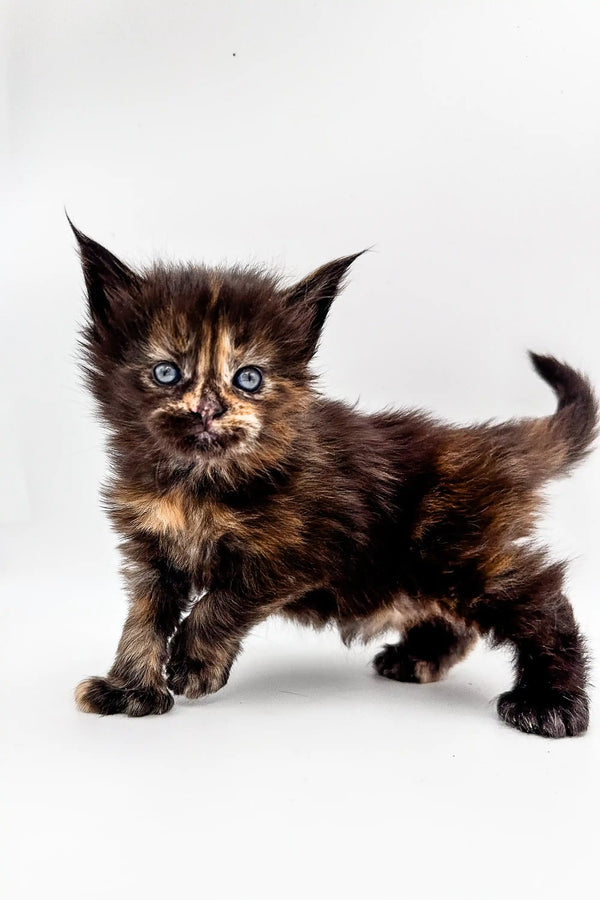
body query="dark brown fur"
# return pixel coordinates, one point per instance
(234, 506)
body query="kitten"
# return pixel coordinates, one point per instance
(240, 492)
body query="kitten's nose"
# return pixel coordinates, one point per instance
(209, 408)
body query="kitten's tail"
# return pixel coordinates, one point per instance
(573, 427)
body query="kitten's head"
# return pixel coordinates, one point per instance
(202, 366)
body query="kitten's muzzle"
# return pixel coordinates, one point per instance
(207, 410)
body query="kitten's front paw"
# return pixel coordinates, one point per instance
(194, 678)
(101, 696)
(549, 713)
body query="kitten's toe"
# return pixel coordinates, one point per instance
(394, 662)
(148, 702)
(101, 696)
(194, 678)
(548, 713)
(98, 695)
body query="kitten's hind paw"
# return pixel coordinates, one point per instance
(549, 713)
(101, 696)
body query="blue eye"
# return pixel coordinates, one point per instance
(249, 379)
(166, 373)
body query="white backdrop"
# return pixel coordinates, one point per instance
(461, 141)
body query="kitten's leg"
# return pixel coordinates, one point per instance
(427, 652)
(532, 615)
(207, 642)
(135, 684)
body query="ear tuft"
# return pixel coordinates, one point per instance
(314, 295)
(104, 274)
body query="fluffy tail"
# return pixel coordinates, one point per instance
(575, 422)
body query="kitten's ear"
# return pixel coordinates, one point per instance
(312, 297)
(105, 275)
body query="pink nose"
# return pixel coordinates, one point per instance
(208, 408)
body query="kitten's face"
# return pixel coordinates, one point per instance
(202, 366)
(212, 377)
(208, 388)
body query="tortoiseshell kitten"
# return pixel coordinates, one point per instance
(240, 492)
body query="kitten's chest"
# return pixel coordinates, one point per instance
(195, 532)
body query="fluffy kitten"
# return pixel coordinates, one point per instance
(239, 492)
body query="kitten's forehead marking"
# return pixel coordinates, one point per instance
(214, 352)
(222, 351)
(213, 362)
(216, 283)
(170, 333)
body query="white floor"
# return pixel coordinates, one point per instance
(306, 777)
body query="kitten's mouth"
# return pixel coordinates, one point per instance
(205, 440)
(211, 441)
